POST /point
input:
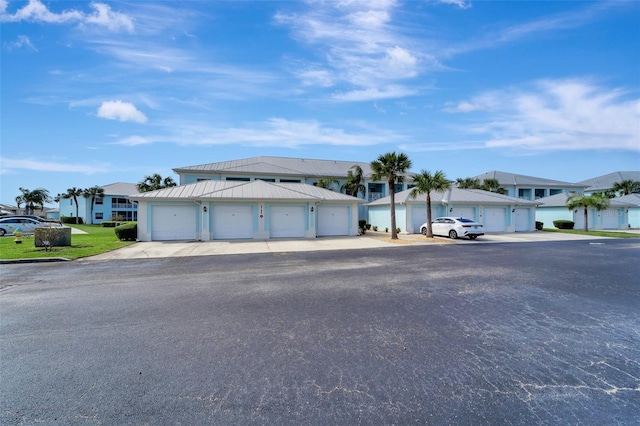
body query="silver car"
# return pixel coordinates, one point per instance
(454, 227)
(9, 224)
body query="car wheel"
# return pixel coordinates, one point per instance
(473, 237)
(453, 234)
(2, 232)
(424, 231)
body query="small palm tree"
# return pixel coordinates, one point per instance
(326, 183)
(468, 183)
(74, 193)
(154, 182)
(627, 186)
(596, 201)
(93, 193)
(391, 167)
(354, 183)
(425, 182)
(492, 185)
(32, 199)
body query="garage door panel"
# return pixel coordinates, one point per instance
(171, 223)
(333, 220)
(286, 221)
(610, 219)
(232, 222)
(522, 220)
(494, 220)
(466, 212)
(419, 217)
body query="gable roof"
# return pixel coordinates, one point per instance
(560, 200)
(604, 182)
(283, 166)
(514, 179)
(253, 190)
(456, 195)
(120, 188)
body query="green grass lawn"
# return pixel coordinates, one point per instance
(97, 240)
(612, 234)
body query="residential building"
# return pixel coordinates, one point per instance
(115, 205)
(529, 187)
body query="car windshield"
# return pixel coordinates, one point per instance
(463, 220)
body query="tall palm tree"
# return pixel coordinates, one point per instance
(425, 182)
(391, 167)
(627, 186)
(32, 199)
(93, 193)
(596, 201)
(326, 182)
(154, 182)
(74, 193)
(468, 183)
(354, 183)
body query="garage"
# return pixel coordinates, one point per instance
(232, 222)
(494, 220)
(468, 212)
(419, 217)
(522, 221)
(333, 220)
(610, 219)
(171, 223)
(287, 221)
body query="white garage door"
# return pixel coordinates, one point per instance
(468, 212)
(333, 220)
(232, 222)
(169, 223)
(610, 219)
(522, 220)
(419, 217)
(286, 221)
(494, 220)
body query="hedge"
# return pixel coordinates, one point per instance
(127, 232)
(71, 220)
(563, 224)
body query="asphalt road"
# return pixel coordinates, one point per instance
(534, 333)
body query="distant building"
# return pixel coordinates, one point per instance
(115, 205)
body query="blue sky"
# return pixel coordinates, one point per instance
(100, 92)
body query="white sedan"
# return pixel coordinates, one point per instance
(27, 225)
(454, 227)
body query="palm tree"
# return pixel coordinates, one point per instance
(392, 167)
(326, 182)
(32, 199)
(492, 185)
(154, 182)
(468, 183)
(596, 201)
(627, 186)
(354, 183)
(74, 193)
(425, 182)
(93, 193)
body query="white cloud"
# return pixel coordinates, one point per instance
(21, 41)
(123, 111)
(372, 94)
(557, 115)
(275, 132)
(462, 4)
(36, 11)
(48, 166)
(361, 48)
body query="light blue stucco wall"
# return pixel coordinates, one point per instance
(380, 216)
(547, 215)
(634, 217)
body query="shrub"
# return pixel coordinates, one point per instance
(375, 228)
(398, 230)
(362, 226)
(109, 224)
(563, 224)
(71, 220)
(539, 225)
(127, 232)
(368, 226)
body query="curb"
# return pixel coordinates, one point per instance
(34, 260)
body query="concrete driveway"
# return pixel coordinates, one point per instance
(159, 249)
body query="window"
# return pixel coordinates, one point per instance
(99, 200)
(99, 216)
(266, 180)
(201, 179)
(397, 187)
(555, 191)
(238, 179)
(290, 180)
(539, 192)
